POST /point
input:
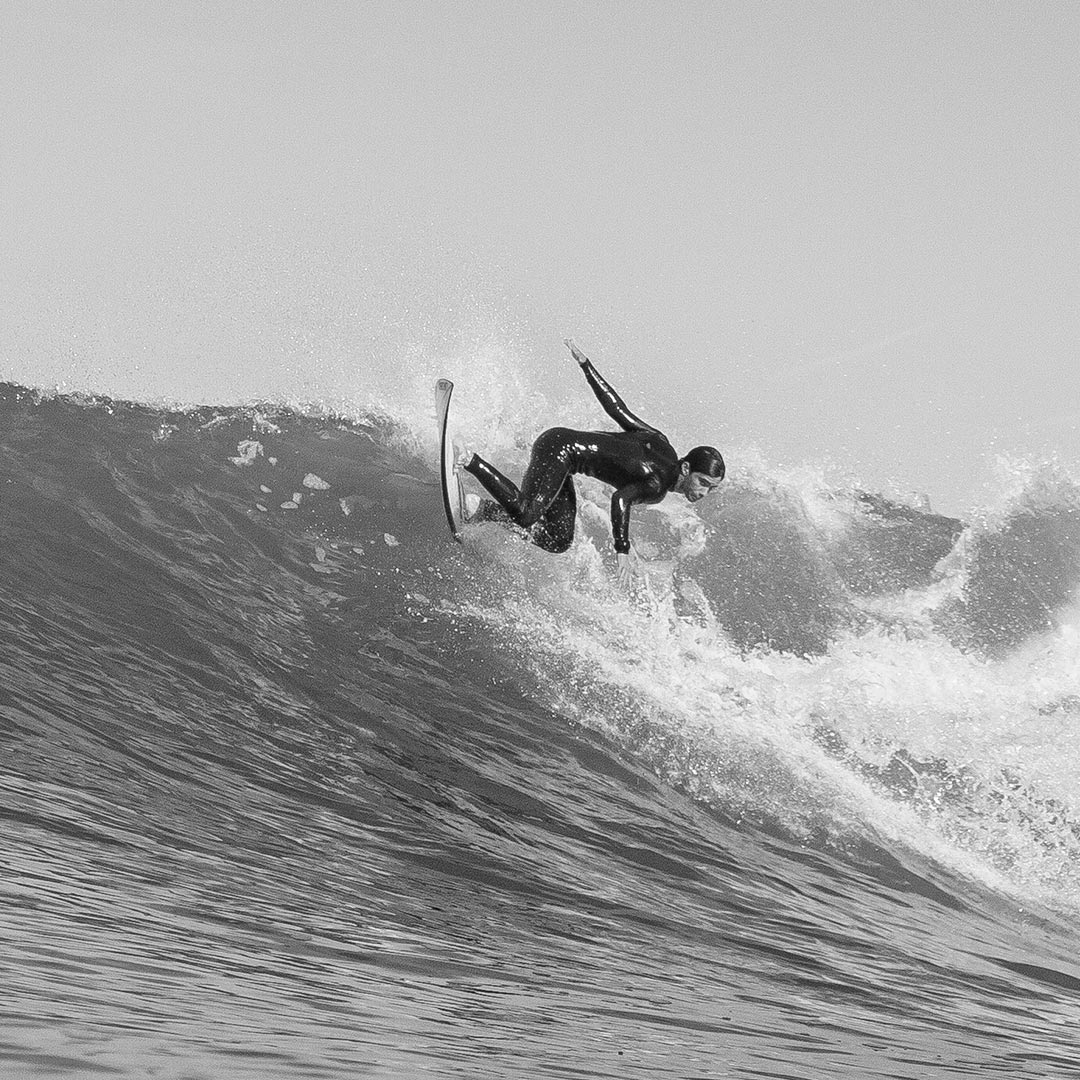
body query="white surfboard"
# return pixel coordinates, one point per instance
(452, 493)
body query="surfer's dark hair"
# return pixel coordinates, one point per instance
(707, 460)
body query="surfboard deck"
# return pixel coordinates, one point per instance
(452, 493)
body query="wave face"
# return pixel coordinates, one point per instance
(291, 785)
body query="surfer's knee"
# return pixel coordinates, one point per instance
(553, 441)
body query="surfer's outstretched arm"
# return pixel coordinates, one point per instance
(612, 404)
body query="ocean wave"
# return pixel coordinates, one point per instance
(255, 701)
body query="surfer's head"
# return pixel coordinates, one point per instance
(700, 472)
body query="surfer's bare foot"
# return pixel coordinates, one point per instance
(462, 457)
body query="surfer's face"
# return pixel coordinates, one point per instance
(696, 485)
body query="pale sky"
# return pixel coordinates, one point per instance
(827, 230)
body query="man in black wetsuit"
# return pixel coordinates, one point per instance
(638, 462)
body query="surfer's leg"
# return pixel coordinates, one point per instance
(546, 503)
(504, 491)
(554, 532)
(548, 473)
(549, 467)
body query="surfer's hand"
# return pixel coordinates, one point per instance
(575, 352)
(628, 569)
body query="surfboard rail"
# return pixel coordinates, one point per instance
(452, 494)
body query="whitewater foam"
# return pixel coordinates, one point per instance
(894, 728)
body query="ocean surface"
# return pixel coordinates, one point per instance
(291, 785)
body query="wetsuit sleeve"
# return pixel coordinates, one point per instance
(612, 404)
(621, 502)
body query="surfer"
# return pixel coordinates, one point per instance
(638, 462)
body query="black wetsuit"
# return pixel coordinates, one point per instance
(638, 462)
